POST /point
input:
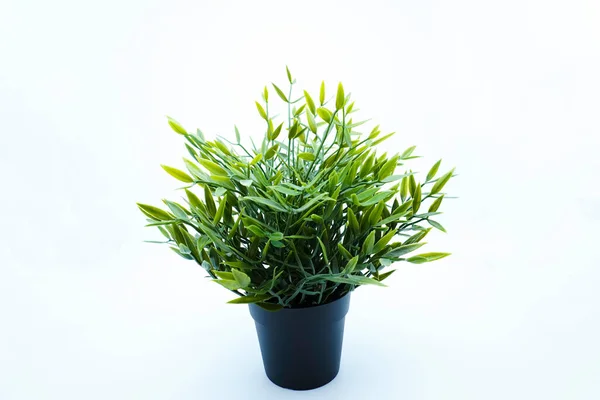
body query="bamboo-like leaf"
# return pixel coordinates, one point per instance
(250, 299)
(441, 182)
(436, 204)
(220, 211)
(213, 167)
(265, 202)
(351, 266)
(381, 243)
(280, 93)
(256, 159)
(310, 102)
(311, 121)
(241, 278)
(209, 201)
(385, 275)
(416, 199)
(402, 250)
(354, 280)
(178, 174)
(433, 170)
(322, 93)
(408, 152)
(325, 114)
(367, 246)
(340, 97)
(352, 221)
(176, 126)
(261, 110)
(155, 212)
(345, 253)
(228, 284)
(427, 257)
(177, 210)
(436, 224)
(271, 152)
(307, 156)
(289, 74)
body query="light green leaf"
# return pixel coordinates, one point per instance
(228, 284)
(176, 209)
(176, 126)
(311, 121)
(250, 299)
(241, 278)
(325, 114)
(322, 93)
(213, 167)
(307, 156)
(439, 184)
(433, 170)
(340, 97)
(351, 266)
(246, 182)
(178, 174)
(402, 250)
(155, 212)
(289, 74)
(427, 257)
(261, 111)
(416, 199)
(280, 93)
(265, 202)
(354, 280)
(436, 204)
(367, 246)
(256, 159)
(285, 190)
(436, 224)
(381, 243)
(310, 102)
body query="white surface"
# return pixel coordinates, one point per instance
(508, 92)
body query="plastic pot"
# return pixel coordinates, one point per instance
(301, 347)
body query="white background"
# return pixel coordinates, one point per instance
(506, 91)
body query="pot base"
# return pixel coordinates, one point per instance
(301, 347)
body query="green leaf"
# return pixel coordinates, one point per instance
(271, 152)
(323, 249)
(417, 237)
(412, 184)
(439, 184)
(178, 174)
(408, 152)
(381, 243)
(354, 280)
(194, 200)
(237, 132)
(276, 132)
(220, 211)
(266, 95)
(224, 275)
(276, 236)
(289, 74)
(404, 188)
(266, 202)
(310, 102)
(351, 266)
(256, 159)
(241, 278)
(402, 250)
(307, 156)
(385, 275)
(246, 182)
(261, 111)
(213, 167)
(280, 93)
(155, 212)
(340, 97)
(433, 170)
(176, 126)
(256, 230)
(367, 246)
(436, 204)
(210, 202)
(352, 221)
(250, 299)
(322, 93)
(228, 284)
(325, 114)
(285, 190)
(436, 224)
(416, 199)
(345, 253)
(177, 210)
(427, 257)
(311, 121)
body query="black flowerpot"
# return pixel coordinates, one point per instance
(301, 347)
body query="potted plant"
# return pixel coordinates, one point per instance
(293, 224)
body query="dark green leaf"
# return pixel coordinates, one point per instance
(250, 299)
